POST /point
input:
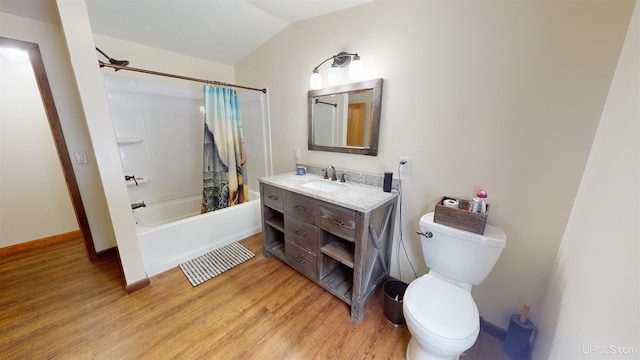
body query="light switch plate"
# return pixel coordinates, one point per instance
(81, 158)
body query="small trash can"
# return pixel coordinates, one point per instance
(393, 294)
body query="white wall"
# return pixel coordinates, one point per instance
(50, 39)
(32, 184)
(75, 24)
(592, 305)
(504, 96)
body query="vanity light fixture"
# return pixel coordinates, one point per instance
(342, 59)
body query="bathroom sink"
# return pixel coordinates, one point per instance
(322, 186)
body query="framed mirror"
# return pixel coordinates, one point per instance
(346, 118)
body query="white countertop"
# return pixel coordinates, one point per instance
(359, 197)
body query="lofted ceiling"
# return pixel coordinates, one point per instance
(223, 31)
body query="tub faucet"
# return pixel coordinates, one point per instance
(333, 173)
(138, 205)
(131, 177)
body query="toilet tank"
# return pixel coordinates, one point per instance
(458, 254)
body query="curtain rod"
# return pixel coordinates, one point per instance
(210, 82)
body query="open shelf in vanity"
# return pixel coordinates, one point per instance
(340, 250)
(343, 249)
(273, 222)
(338, 261)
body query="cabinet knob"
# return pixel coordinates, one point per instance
(301, 261)
(272, 197)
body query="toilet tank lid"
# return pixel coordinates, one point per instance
(493, 236)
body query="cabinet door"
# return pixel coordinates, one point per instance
(273, 197)
(301, 207)
(300, 259)
(301, 233)
(341, 223)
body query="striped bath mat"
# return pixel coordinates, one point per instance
(215, 262)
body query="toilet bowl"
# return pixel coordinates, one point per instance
(443, 323)
(438, 308)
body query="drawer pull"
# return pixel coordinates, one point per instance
(301, 261)
(301, 208)
(300, 233)
(341, 223)
(273, 197)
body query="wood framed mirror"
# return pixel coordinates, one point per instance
(346, 118)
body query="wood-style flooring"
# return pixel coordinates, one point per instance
(55, 304)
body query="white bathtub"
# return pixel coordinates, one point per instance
(174, 231)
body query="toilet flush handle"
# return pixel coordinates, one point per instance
(428, 234)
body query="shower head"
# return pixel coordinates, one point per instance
(114, 61)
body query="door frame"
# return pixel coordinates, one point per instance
(58, 138)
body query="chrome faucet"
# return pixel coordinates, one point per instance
(333, 173)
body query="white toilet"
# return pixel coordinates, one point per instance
(440, 313)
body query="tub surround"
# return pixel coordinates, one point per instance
(337, 234)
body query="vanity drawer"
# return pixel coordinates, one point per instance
(301, 207)
(273, 197)
(338, 222)
(301, 233)
(300, 259)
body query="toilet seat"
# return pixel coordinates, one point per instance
(442, 313)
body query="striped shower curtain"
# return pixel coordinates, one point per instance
(224, 160)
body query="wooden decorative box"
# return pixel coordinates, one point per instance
(460, 218)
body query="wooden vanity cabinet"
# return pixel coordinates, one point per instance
(345, 251)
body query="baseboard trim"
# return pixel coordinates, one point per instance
(106, 252)
(492, 329)
(12, 249)
(138, 285)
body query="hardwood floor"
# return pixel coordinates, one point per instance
(54, 303)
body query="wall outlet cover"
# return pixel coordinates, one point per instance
(404, 165)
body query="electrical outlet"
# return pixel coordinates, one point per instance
(296, 153)
(405, 165)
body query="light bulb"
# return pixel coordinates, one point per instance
(315, 81)
(335, 75)
(17, 55)
(356, 68)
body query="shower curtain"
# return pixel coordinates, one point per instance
(224, 160)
